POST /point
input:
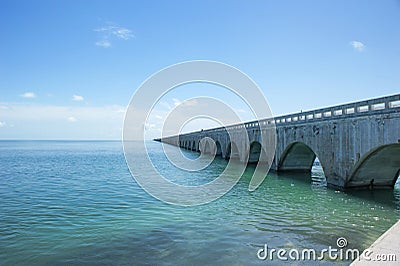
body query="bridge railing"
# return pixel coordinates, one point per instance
(381, 105)
(362, 108)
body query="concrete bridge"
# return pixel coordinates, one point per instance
(357, 144)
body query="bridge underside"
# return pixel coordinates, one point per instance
(298, 157)
(255, 152)
(378, 168)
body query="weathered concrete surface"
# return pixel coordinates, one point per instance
(348, 149)
(357, 144)
(384, 251)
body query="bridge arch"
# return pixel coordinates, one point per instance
(255, 152)
(297, 157)
(205, 146)
(232, 151)
(219, 148)
(378, 167)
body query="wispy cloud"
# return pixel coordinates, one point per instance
(72, 119)
(103, 43)
(28, 95)
(166, 105)
(60, 122)
(358, 46)
(149, 126)
(121, 111)
(191, 102)
(2, 124)
(176, 101)
(77, 98)
(112, 32)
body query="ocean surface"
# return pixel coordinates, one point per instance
(75, 202)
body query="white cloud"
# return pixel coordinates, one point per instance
(166, 105)
(192, 102)
(2, 124)
(28, 95)
(119, 32)
(103, 43)
(112, 31)
(149, 126)
(123, 33)
(37, 121)
(72, 119)
(77, 98)
(358, 46)
(163, 121)
(176, 101)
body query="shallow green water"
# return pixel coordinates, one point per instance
(76, 203)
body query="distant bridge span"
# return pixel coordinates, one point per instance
(357, 144)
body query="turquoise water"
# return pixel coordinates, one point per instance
(76, 203)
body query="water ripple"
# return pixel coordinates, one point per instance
(76, 203)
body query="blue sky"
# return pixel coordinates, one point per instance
(69, 68)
